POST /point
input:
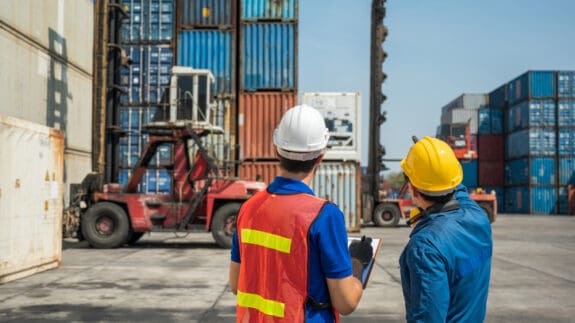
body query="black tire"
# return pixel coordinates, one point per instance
(106, 225)
(135, 237)
(386, 215)
(488, 208)
(224, 224)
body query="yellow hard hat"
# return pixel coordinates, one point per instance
(432, 167)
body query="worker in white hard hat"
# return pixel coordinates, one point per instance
(446, 265)
(290, 260)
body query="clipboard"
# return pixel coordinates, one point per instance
(376, 245)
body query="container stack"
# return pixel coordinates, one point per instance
(267, 81)
(566, 141)
(146, 37)
(207, 39)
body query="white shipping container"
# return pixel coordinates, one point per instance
(31, 175)
(462, 116)
(342, 113)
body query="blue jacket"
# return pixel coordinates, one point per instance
(446, 265)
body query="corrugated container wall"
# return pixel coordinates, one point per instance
(534, 200)
(149, 21)
(46, 73)
(566, 171)
(566, 84)
(268, 57)
(342, 114)
(213, 50)
(338, 182)
(566, 113)
(490, 173)
(531, 142)
(32, 164)
(531, 171)
(490, 121)
(532, 113)
(259, 114)
(207, 13)
(283, 10)
(531, 85)
(500, 193)
(566, 141)
(498, 98)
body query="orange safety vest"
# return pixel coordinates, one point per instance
(272, 234)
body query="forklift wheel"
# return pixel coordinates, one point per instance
(224, 224)
(386, 215)
(106, 225)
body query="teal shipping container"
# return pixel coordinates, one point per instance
(213, 50)
(566, 170)
(532, 113)
(566, 113)
(566, 141)
(531, 142)
(531, 199)
(531, 85)
(206, 13)
(490, 121)
(535, 170)
(498, 98)
(278, 10)
(469, 173)
(268, 57)
(566, 84)
(148, 21)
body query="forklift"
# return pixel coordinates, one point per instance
(201, 198)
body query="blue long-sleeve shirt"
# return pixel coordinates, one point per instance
(446, 265)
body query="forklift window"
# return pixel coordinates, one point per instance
(186, 96)
(202, 97)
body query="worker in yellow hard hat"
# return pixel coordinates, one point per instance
(446, 265)
(290, 260)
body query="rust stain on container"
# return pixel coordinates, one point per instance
(259, 114)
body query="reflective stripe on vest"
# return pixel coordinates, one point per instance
(272, 234)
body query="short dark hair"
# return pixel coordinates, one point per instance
(434, 199)
(297, 166)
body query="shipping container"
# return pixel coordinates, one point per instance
(258, 116)
(490, 121)
(531, 142)
(338, 182)
(283, 10)
(466, 101)
(490, 147)
(31, 183)
(535, 170)
(490, 173)
(149, 21)
(469, 172)
(566, 84)
(131, 147)
(155, 181)
(148, 77)
(499, 193)
(566, 199)
(532, 113)
(206, 13)
(566, 141)
(462, 116)
(498, 98)
(566, 170)
(268, 58)
(531, 200)
(342, 114)
(531, 85)
(566, 113)
(213, 50)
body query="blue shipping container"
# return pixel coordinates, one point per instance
(268, 57)
(525, 171)
(530, 142)
(567, 171)
(207, 13)
(213, 50)
(469, 173)
(155, 181)
(562, 200)
(490, 121)
(531, 200)
(531, 85)
(566, 84)
(269, 9)
(130, 149)
(148, 21)
(498, 98)
(566, 141)
(499, 191)
(532, 113)
(566, 113)
(146, 80)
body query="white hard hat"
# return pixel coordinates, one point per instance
(301, 134)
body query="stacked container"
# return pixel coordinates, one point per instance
(531, 145)
(566, 141)
(146, 36)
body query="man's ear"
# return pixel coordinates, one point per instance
(319, 159)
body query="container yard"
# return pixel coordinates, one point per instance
(132, 131)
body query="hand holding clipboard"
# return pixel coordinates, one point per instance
(365, 250)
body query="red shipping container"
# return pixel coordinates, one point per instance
(490, 173)
(490, 148)
(264, 171)
(259, 114)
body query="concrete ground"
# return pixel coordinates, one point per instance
(184, 279)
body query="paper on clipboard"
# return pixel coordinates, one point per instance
(375, 244)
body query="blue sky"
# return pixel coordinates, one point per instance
(437, 50)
